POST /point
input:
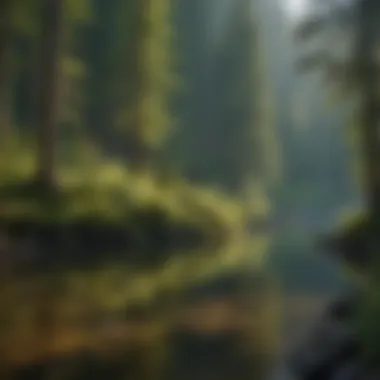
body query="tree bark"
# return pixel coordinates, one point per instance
(5, 106)
(49, 92)
(368, 73)
(136, 146)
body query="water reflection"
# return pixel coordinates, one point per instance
(202, 330)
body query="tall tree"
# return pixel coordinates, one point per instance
(128, 54)
(357, 71)
(77, 19)
(149, 82)
(217, 110)
(5, 56)
(49, 91)
(191, 47)
(367, 72)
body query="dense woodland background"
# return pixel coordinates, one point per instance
(171, 140)
(199, 90)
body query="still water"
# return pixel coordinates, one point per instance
(222, 327)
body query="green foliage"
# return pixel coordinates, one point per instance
(25, 16)
(128, 55)
(117, 72)
(106, 190)
(368, 323)
(353, 241)
(352, 73)
(80, 12)
(265, 124)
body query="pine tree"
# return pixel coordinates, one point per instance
(49, 91)
(217, 107)
(5, 56)
(355, 72)
(129, 59)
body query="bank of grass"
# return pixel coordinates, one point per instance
(351, 243)
(103, 195)
(97, 189)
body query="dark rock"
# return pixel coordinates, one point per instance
(331, 345)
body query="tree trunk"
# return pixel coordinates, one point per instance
(368, 74)
(139, 81)
(5, 35)
(48, 101)
(139, 153)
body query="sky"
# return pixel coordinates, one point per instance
(295, 9)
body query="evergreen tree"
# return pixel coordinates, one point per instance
(355, 70)
(5, 55)
(129, 76)
(49, 91)
(219, 105)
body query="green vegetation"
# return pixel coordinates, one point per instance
(151, 217)
(106, 189)
(354, 73)
(91, 223)
(105, 78)
(368, 324)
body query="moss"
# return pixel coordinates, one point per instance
(111, 194)
(351, 242)
(103, 207)
(101, 198)
(194, 234)
(368, 320)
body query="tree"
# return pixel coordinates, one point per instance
(128, 54)
(356, 71)
(147, 120)
(77, 19)
(5, 52)
(367, 72)
(49, 91)
(218, 107)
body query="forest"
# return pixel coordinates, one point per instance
(104, 221)
(164, 163)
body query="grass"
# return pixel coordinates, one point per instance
(101, 192)
(108, 191)
(104, 196)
